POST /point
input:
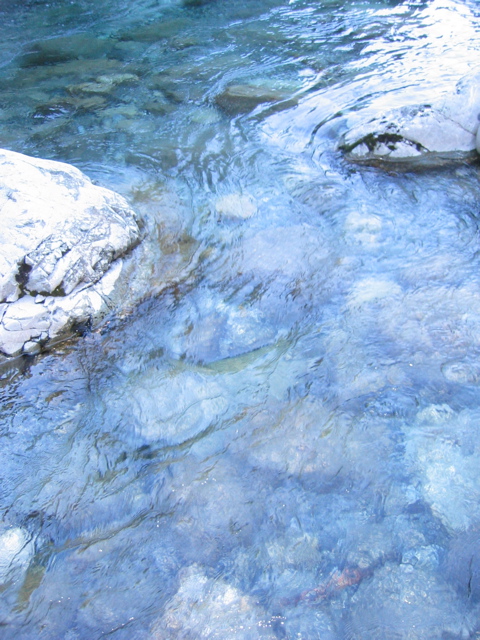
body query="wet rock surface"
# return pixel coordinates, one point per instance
(446, 126)
(61, 246)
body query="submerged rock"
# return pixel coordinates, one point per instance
(63, 49)
(103, 84)
(236, 206)
(210, 608)
(173, 409)
(404, 602)
(243, 98)
(462, 566)
(444, 454)
(414, 130)
(61, 242)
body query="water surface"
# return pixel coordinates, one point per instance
(282, 443)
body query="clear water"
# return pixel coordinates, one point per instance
(283, 443)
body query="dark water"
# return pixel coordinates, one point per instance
(284, 442)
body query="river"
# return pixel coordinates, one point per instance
(280, 442)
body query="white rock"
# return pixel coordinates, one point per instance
(61, 241)
(15, 551)
(445, 126)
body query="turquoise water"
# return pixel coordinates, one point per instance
(283, 442)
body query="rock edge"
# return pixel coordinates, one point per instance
(62, 240)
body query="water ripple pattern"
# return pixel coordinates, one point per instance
(282, 443)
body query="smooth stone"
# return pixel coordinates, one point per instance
(155, 31)
(61, 245)
(290, 252)
(373, 290)
(56, 74)
(157, 400)
(63, 49)
(159, 106)
(123, 110)
(103, 84)
(242, 98)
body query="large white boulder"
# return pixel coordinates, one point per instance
(61, 243)
(445, 126)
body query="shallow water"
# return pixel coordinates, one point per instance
(283, 443)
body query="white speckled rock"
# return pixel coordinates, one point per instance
(446, 126)
(61, 241)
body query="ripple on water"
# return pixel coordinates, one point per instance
(281, 443)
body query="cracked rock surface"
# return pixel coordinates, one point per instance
(448, 126)
(61, 243)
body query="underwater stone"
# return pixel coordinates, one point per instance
(156, 31)
(211, 608)
(153, 402)
(404, 602)
(64, 49)
(290, 252)
(242, 98)
(236, 206)
(103, 84)
(62, 237)
(444, 454)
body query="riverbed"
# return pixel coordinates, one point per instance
(279, 439)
